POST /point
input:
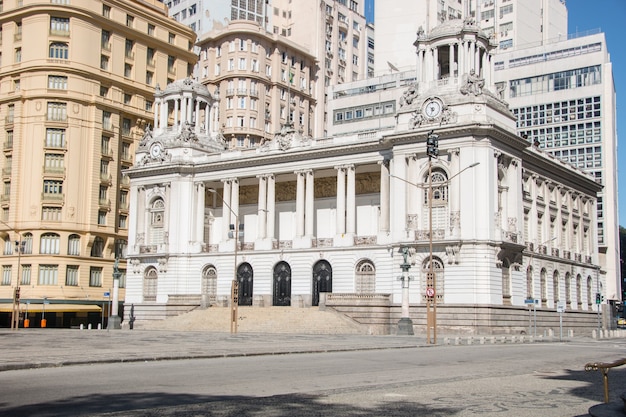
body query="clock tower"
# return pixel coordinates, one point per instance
(454, 80)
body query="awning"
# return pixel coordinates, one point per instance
(51, 308)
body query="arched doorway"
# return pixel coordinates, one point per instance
(245, 278)
(322, 280)
(282, 284)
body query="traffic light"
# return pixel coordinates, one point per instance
(599, 298)
(432, 144)
(17, 293)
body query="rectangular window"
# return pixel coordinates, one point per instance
(51, 214)
(57, 82)
(102, 218)
(151, 29)
(57, 112)
(95, 276)
(26, 272)
(48, 275)
(53, 187)
(71, 276)
(6, 275)
(130, 21)
(60, 26)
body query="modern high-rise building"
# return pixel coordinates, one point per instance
(563, 96)
(77, 83)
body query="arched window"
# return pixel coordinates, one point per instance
(73, 245)
(568, 290)
(8, 246)
(544, 287)
(365, 277)
(59, 50)
(27, 238)
(579, 291)
(439, 200)
(209, 284)
(555, 287)
(529, 282)
(98, 247)
(506, 282)
(49, 244)
(157, 221)
(150, 279)
(439, 276)
(589, 289)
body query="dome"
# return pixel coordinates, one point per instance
(186, 84)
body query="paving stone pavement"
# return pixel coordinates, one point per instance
(23, 348)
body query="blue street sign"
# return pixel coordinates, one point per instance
(107, 294)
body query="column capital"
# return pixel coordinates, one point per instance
(344, 167)
(302, 171)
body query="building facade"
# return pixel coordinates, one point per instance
(563, 96)
(76, 91)
(303, 221)
(264, 81)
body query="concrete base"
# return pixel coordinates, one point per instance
(405, 327)
(115, 323)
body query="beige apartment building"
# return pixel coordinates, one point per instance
(77, 81)
(263, 80)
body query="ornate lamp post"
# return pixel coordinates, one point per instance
(405, 325)
(115, 320)
(19, 248)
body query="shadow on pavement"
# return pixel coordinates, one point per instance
(168, 405)
(595, 389)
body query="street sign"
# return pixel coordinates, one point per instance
(107, 294)
(560, 307)
(430, 291)
(530, 301)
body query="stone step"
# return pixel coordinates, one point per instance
(260, 320)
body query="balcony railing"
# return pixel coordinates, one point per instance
(60, 32)
(53, 197)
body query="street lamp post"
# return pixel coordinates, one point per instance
(115, 321)
(234, 290)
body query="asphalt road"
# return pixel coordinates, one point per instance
(542, 379)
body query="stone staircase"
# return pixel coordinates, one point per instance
(259, 320)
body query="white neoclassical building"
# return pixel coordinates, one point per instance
(306, 221)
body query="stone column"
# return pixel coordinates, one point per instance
(341, 200)
(436, 66)
(198, 122)
(183, 112)
(351, 201)
(225, 211)
(455, 193)
(451, 62)
(262, 211)
(412, 192)
(176, 115)
(309, 213)
(199, 222)
(235, 203)
(384, 196)
(156, 114)
(300, 203)
(271, 205)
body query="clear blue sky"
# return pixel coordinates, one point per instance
(608, 16)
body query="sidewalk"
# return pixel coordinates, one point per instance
(38, 348)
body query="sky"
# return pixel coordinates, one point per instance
(608, 16)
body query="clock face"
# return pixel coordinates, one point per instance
(155, 150)
(432, 108)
